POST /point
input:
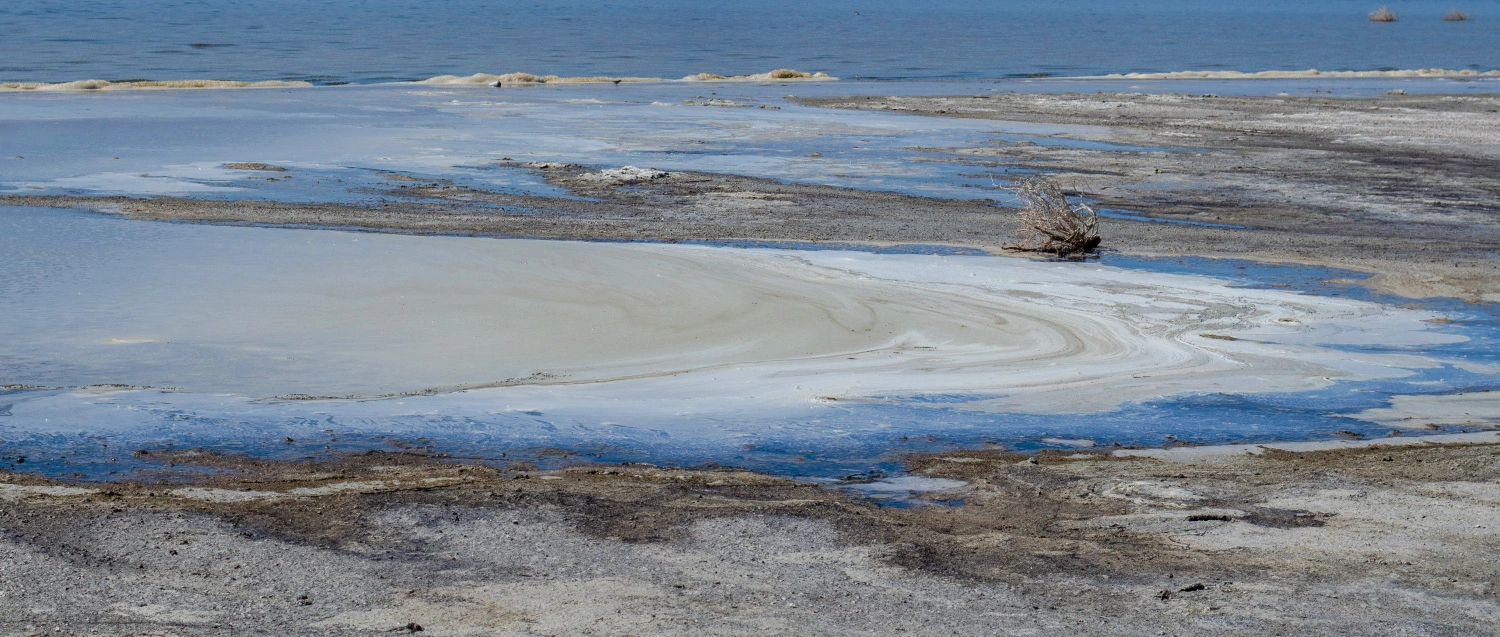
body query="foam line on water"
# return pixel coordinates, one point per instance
(1287, 75)
(489, 79)
(106, 85)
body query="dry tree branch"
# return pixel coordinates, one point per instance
(1050, 223)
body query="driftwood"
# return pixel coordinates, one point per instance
(1050, 223)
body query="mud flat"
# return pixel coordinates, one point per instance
(262, 313)
(1403, 186)
(1370, 539)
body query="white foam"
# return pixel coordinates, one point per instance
(488, 79)
(105, 85)
(1308, 74)
(776, 75)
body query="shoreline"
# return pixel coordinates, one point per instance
(1087, 541)
(519, 78)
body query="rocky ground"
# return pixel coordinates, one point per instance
(1368, 540)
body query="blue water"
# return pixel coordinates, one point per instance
(363, 41)
(870, 437)
(339, 140)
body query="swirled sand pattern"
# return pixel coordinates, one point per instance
(266, 313)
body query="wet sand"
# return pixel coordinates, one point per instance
(1368, 540)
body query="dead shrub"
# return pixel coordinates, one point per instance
(1383, 14)
(1050, 223)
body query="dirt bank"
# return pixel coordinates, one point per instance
(1374, 540)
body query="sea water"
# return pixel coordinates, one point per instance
(394, 40)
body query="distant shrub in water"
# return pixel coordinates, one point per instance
(1383, 14)
(1050, 223)
(1455, 16)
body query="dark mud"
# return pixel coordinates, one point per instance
(1370, 541)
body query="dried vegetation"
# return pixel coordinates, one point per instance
(1051, 223)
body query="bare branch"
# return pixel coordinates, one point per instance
(1050, 223)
